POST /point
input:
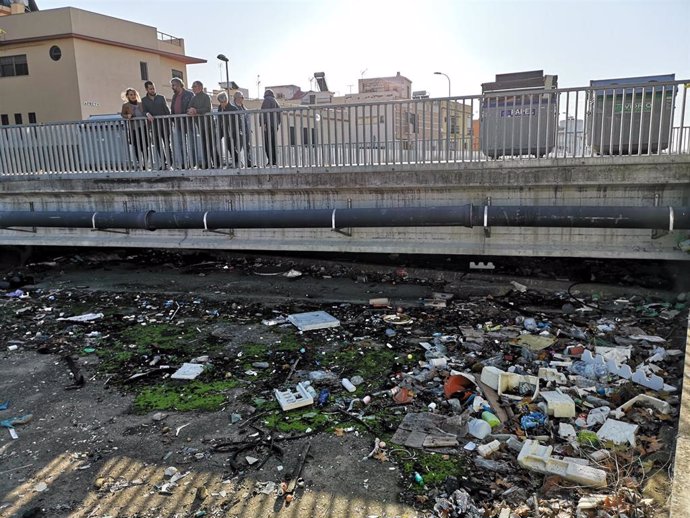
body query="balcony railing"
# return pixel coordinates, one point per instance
(646, 119)
(173, 40)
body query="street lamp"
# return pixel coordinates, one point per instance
(227, 74)
(442, 74)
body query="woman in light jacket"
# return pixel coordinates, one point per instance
(133, 112)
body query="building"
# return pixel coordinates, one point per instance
(69, 64)
(400, 85)
(8, 7)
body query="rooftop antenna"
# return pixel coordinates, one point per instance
(258, 85)
(363, 72)
(350, 87)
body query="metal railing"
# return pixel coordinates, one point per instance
(646, 119)
(173, 40)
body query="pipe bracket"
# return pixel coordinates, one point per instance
(95, 229)
(487, 228)
(230, 233)
(334, 228)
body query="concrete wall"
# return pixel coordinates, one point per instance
(619, 181)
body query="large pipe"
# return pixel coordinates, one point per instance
(78, 219)
(461, 215)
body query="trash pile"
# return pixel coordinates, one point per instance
(525, 404)
(585, 398)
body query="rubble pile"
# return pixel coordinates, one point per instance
(528, 403)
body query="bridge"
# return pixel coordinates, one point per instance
(580, 172)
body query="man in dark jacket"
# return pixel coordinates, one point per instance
(183, 128)
(200, 108)
(227, 131)
(270, 121)
(243, 139)
(154, 105)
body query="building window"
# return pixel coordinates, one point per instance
(144, 67)
(55, 53)
(32, 117)
(5, 119)
(18, 119)
(178, 74)
(381, 119)
(293, 136)
(14, 66)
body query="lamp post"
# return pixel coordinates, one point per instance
(227, 74)
(442, 74)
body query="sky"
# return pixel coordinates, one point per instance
(286, 41)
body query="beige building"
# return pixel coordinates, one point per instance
(69, 64)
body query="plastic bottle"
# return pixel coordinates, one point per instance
(310, 389)
(479, 428)
(323, 397)
(418, 479)
(348, 385)
(491, 419)
(530, 324)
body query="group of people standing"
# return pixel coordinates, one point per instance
(195, 140)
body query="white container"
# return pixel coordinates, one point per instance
(479, 428)
(348, 385)
(487, 449)
(438, 362)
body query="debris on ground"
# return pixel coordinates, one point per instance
(519, 402)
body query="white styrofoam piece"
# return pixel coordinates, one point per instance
(559, 404)
(624, 371)
(643, 399)
(648, 338)
(491, 377)
(188, 371)
(289, 400)
(566, 431)
(620, 354)
(536, 457)
(313, 320)
(618, 432)
(502, 381)
(487, 449)
(591, 502)
(653, 382)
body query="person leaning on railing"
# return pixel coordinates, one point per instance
(199, 107)
(226, 131)
(183, 134)
(270, 122)
(133, 112)
(243, 138)
(154, 105)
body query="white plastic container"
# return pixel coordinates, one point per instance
(479, 428)
(348, 385)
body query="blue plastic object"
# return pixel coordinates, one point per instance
(323, 397)
(532, 420)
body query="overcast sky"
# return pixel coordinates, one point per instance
(286, 41)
